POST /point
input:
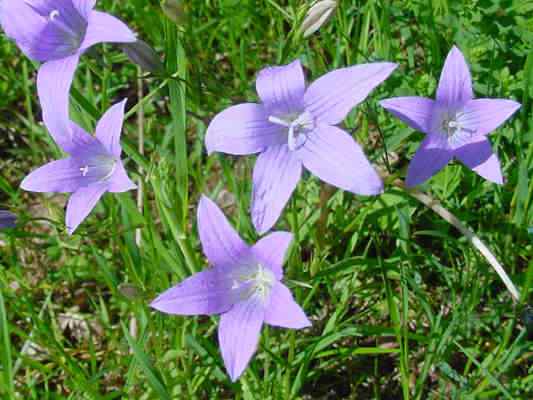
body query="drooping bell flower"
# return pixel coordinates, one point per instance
(93, 168)
(456, 125)
(57, 33)
(243, 286)
(294, 127)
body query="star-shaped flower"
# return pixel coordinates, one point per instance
(455, 123)
(93, 168)
(244, 286)
(294, 126)
(57, 33)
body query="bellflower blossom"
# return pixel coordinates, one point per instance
(294, 126)
(93, 168)
(243, 286)
(456, 124)
(57, 33)
(7, 219)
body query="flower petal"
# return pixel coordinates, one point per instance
(221, 244)
(414, 111)
(479, 157)
(283, 311)
(119, 181)
(84, 7)
(242, 129)
(238, 335)
(204, 293)
(23, 25)
(330, 98)
(109, 128)
(277, 171)
(281, 89)
(432, 155)
(81, 203)
(53, 86)
(335, 157)
(271, 251)
(104, 28)
(61, 176)
(488, 114)
(455, 85)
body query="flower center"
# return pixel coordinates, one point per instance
(298, 126)
(454, 126)
(99, 168)
(55, 18)
(253, 280)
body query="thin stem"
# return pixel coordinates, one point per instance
(140, 138)
(471, 236)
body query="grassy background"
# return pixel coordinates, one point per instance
(402, 305)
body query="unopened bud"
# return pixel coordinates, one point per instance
(7, 219)
(318, 15)
(173, 9)
(144, 56)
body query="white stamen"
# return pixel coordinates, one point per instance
(54, 14)
(298, 125)
(84, 170)
(279, 121)
(253, 281)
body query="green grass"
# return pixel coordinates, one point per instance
(402, 305)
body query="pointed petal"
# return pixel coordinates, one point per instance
(283, 311)
(488, 114)
(104, 28)
(61, 176)
(109, 128)
(277, 171)
(221, 244)
(204, 293)
(479, 157)
(455, 85)
(281, 89)
(81, 203)
(331, 97)
(417, 112)
(119, 181)
(238, 335)
(53, 86)
(242, 129)
(84, 7)
(334, 156)
(272, 249)
(432, 155)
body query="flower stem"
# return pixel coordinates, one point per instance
(471, 236)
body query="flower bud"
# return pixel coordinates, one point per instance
(173, 9)
(7, 219)
(317, 15)
(144, 56)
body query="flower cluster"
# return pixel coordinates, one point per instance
(294, 127)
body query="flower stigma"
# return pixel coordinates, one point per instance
(254, 280)
(297, 127)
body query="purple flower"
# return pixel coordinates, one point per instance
(456, 124)
(243, 285)
(295, 127)
(7, 219)
(93, 168)
(57, 32)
